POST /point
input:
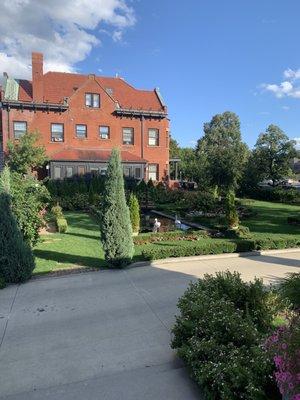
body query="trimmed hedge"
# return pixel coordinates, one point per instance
(217, 246)
(195, 249)
(62, 225)
(168, 236)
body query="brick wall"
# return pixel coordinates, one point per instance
(78, 113)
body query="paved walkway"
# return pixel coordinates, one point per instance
(105, 335)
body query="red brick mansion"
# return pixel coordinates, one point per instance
(80, 119)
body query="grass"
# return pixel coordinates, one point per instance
(81, 247)
(271, 219)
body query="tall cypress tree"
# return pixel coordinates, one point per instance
(116, 231)
(16, 258)
(134, 209)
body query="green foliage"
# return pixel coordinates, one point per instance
(219, 333)
(176, 235)
(62, 224)
(116, 230)
(78, 201)
(186, 248)
(192, 249)
(232, 217)
(29, 198)
(273, 154)
(277, 194)
(290, 289)
(16, 259)
(57, 211)
(134, 209)
(24, 155)
(222, 151)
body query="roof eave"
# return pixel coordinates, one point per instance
(142, 161)
(21, 105)
(141, 113)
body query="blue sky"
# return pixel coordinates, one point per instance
(205, 56)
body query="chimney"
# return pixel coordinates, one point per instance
(37, 78)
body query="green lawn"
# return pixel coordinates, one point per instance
(80, 246)
(271, 219)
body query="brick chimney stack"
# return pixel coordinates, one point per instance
(37, 78)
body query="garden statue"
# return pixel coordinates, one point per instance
(156, 225)
(177, 222)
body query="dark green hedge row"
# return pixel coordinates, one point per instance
(195, 249)
(168, 236)
(218, 246)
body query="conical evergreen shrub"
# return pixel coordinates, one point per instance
(16, 258)
(134, 209)
(116, 231)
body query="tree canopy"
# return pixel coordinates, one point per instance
(222, 151)
(273, 154)
(25, 155)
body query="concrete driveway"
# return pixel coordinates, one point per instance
(105, 335)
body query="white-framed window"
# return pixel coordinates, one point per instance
(57, 132)
(127, 171)
(81, 170)
(92, 100)
(57, 172)
(137, 172)
(153, 172)
(81, 131)
(104, 132)
(103, 170)
(153, 137)
(94, 171)
(20, 128)
(128, 136)
(69, 172)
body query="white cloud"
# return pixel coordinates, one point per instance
(63, 31)
(290, 87)
(285, 108)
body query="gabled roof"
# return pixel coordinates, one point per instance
(92, 155)
(60, 85)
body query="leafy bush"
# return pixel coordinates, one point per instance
(284, 348)
(78, 201)
(134, 209)
(241, 232)
(281, 195)
(28, 199)
(57, 211)
(219, 332)
(62, 224)
(16, 258)
(290, 289)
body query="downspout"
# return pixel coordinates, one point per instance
(142, 142)
(142, 136)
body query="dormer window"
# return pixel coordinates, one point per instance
(92, 100)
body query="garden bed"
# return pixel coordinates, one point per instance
(80, 246)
